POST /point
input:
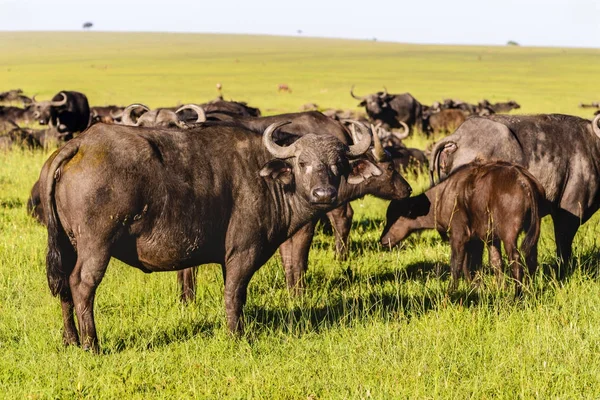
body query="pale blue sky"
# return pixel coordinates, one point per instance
(573, 23)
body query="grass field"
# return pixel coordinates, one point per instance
(379, 326)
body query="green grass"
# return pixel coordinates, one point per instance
(379, 326)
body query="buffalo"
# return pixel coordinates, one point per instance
(15, 95)
(68, 111)
(294, 252)
(444, 121)
(168, 199)
(390, 110)
(478, 203)
(159, 117)
(561, 151)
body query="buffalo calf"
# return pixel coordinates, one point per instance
(491, 203)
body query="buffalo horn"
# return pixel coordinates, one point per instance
(59, 103)
(360, 147)
(404, 134)
(596, 125)
(378, 151)
(355, 96)
(276, 150)
(199, 111)
(126, 117)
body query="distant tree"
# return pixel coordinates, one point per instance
(299, 31)
(512, 43)
(87, 25)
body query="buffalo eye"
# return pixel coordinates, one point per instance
(301, 164)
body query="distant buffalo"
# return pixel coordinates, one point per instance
(68, 111)
(390, 110)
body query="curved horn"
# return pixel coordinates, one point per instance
(403, 135)
(126, 116)
(360, 147)
(355, 96)
(596, 125)
(199, 111)
(378, 151)
(60, 102)
(385, 92)
(33, 98)
(276, 150)
(116, 116)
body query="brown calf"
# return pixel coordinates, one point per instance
(491, 203)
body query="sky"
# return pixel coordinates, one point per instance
(564, 23)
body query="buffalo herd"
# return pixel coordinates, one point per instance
(169, 189)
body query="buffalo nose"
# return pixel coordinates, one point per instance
(324, 195)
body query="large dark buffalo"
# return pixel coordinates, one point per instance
(168, 199)
(388, 185)
(391, 109)
(562, 152)
(68, 111)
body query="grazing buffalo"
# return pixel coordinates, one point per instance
(478, 203)
(107, 114)
(15, 95)
(168, 199)
(233, 108)
(68, 111)
(159, 117)
(444, 121)
(16, 114)
(391, 109)
(562, 152)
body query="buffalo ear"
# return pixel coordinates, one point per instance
(278, 170)
(362, 103)
(361, 171)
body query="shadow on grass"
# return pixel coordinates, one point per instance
(148, 339)
(343, 312)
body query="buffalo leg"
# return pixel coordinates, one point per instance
(565, 228)
(70, 335)
(495, 256)
(510, 246)
(457, 261)
(341, 221)
(187, 283)
(294, 256)
(239, 269)
(473, 257)
(85, 278)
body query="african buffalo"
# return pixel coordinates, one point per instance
(444, 121)
(15, 95)
(68, 111)
(159, 117)
(16, 114)
(107, 114)
(168, 199)
(388, 185)
(478, 203)
(391, 109)
(562, 152)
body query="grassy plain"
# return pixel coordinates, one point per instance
(378, 326)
